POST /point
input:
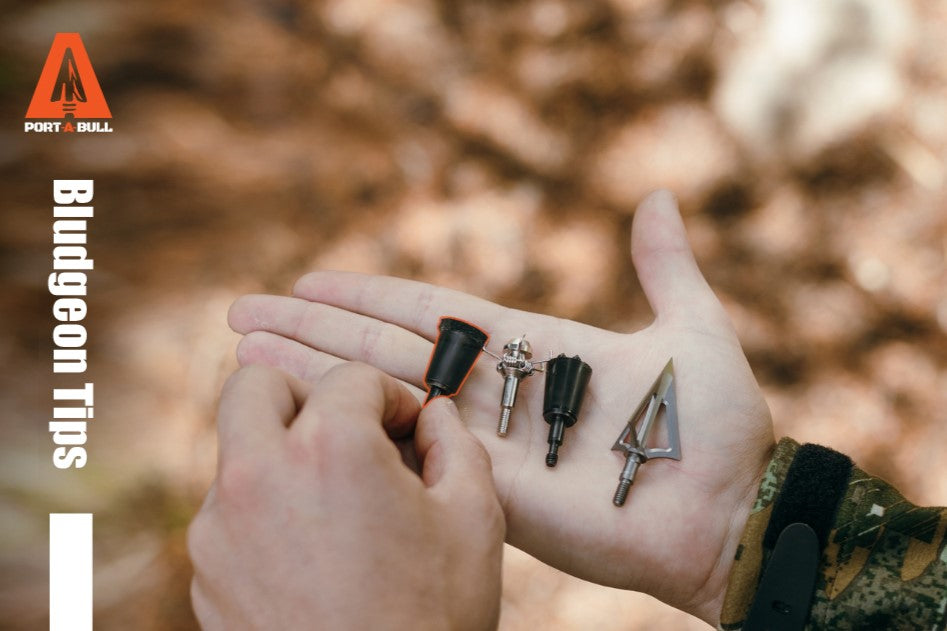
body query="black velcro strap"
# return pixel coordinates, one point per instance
(815, 484)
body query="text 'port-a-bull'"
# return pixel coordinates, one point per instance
(67, 126)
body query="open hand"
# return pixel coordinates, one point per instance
(676, 535)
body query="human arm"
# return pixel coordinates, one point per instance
(315, 520)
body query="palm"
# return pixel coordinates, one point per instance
(668, 538)
(565, 516)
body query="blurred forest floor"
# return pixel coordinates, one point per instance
(499, 148)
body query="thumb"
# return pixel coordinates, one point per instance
(665, 264)
(451, 457)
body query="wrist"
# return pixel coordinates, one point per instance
(741, 508)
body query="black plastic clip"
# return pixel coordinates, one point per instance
(785, 591)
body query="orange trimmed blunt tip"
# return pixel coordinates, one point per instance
(456, 349)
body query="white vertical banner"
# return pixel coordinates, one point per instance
(70, 572)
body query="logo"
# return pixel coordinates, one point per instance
(67, 96)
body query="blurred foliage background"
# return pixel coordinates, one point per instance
(499, 148)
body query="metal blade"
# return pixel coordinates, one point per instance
(668, 395)
(635, 433)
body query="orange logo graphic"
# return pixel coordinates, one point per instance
(67, 89)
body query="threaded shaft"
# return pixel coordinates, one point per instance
(504, 425)
(552, 456)
(621, 493)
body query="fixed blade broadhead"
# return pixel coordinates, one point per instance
(633, 440)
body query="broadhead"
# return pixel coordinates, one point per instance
(633, 440)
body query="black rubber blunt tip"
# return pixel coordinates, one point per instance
(456, 350)
(566, 381)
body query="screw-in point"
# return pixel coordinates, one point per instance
(621, 493)
(504, 425)
(553, 456)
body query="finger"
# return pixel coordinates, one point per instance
(256, 403)
(299, 360)
(263, 347)
(357, 403)
(335, 331)
(665, 264)
(452, 458)
(414, 306)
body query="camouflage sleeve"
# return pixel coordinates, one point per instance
(885, 565)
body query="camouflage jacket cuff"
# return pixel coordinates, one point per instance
(885, 565)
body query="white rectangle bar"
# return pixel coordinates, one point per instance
(70, 572)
